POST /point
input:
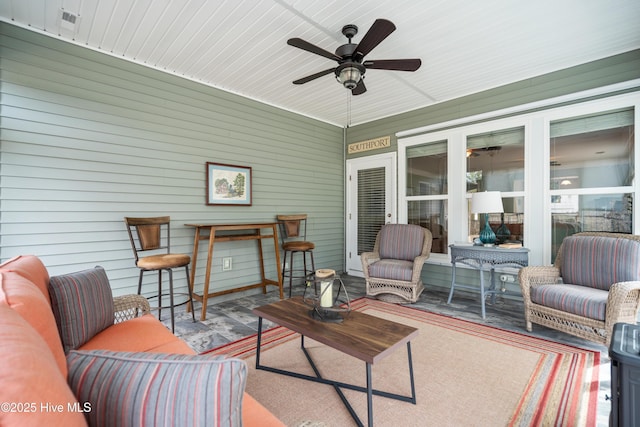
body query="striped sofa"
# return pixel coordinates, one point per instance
(594, 284)
(393, 270)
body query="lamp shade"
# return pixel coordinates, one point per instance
(486, 202)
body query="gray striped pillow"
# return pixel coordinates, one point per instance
(154, 389)
(82, 304)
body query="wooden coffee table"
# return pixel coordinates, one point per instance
(367, 338)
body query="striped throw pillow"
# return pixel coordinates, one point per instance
(154, 389)
(82, 304)
(599, 261)
(401, 241)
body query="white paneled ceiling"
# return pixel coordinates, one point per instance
(241, 45)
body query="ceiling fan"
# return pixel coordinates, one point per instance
(350, 57)
(475, 152)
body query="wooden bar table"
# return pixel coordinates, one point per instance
(251, 231)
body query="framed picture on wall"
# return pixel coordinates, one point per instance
(228, 184)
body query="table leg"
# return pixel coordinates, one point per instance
(338, 385)
(369, 396)
(453, 281)
(413, 384)
(492, 287)
(263, 276)
(277, 252)
(482, 295)
(207, 275)
(259, 343)
(194, 258)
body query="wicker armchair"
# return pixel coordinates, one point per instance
(392, 271)
(128, 307)
(594, 284)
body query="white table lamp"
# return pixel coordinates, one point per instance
(487, 202)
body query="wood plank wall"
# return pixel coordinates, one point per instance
(87, 139)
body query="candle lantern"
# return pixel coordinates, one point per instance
(326, 294)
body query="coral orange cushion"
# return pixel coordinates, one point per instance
(30, 267)
(21, 295)
(30, 378)
(254, 414)
(143, 333)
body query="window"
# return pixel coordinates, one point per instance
(427, 189)
(564, 168)
(495, 162)
(591, 174)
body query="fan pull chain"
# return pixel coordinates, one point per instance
(349, 108)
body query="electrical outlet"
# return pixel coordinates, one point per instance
(227, 264)
(507, 278)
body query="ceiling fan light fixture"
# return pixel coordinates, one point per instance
(349, 77)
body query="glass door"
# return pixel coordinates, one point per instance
(370, 204)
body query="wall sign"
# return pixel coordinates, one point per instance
(370, 144)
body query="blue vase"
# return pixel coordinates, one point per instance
(502, 233)
(487, 236)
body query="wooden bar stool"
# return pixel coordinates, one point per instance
(293, 235)
(152, 236)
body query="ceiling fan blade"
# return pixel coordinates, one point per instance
(359, 89)
(393, 64)
(305, 45)
(313, 76)
(379, 31)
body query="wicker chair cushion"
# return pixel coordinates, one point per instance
(392, 269)
(134, 389)
(400, 241)
(575, 299)
(82, 304)
(598, 261)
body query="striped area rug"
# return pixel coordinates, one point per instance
(465, 373)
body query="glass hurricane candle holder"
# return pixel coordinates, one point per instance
(327, 296)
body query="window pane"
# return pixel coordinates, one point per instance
(427, 169)
(509, 226)
(587, 152)
(431, 214)
(593, 151)
(602, 212)
(495, 161)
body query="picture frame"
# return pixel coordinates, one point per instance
(228, 184)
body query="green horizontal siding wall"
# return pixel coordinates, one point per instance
(87, 139)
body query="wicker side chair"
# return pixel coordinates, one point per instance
(594, 284)
(393, 270)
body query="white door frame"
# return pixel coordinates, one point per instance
(389, 162)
